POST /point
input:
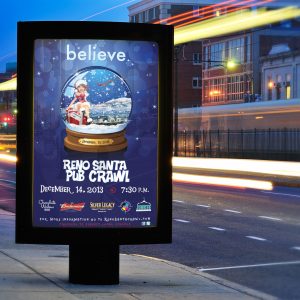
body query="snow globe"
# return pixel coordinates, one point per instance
(96, 105)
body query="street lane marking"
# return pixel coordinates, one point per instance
(217, 228)
(178, 201)
(182, 221)
(233, 211)
(270, 218)
(296, 262)
(296, 248)
(281, 194)
(202, 205)
(255, 238)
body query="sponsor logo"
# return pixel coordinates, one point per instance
(72, 206)
(47, 205)
(143, 206)
(102, 206)
(125, 206)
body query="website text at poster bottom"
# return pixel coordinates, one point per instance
(96, 222)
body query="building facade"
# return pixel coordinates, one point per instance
(7, 98)
(241, 82)
(187, 74)
(281, 74)
(201, 72)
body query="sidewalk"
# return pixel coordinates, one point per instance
(40, 272)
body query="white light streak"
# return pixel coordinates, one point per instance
(282, 168)
(256, 238)
(223, 181)
(106, 10)
(217, 228)
(270, 218)
(182, 221)
(9, 158)
(233, 211)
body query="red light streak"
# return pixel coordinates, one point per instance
(212, 10)
(227, 11)
(191, 12)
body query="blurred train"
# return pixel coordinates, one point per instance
(275, 114)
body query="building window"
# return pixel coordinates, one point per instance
(236, 51)
(196, 82)
(247, 49)
(214, 55)
(134, 19)
(196, 11)
(269, 93)
(141, 17)
(217, 54)
(151, 14)
(288, 90)
(235, 88)
(270, 84)
(205, 53)
(197, 59)
(156, 12)
(278, 91)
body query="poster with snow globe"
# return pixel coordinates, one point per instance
(95, 133)
(96, 106)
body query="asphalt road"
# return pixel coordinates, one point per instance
(246, 236)
(7, 186)
(250, 237)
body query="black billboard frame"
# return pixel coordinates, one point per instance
(28, 32)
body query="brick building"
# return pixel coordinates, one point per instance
(201, 76)
(187, 58)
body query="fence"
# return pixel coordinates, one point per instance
(272, 144)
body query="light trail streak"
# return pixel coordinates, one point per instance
(232, 22)
(281, 168)
(192, 13)
(8, 55)
(9, 85)
(9, 158)
(235, 9)
(223, 181)
(106, 10)
(210, 15)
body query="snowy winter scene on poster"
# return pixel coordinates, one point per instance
(95, 93)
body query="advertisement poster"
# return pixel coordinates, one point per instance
(95, 133)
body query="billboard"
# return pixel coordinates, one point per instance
(97, 151)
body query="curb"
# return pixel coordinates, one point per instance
(234, 286)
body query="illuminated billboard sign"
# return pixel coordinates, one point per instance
(96, 113)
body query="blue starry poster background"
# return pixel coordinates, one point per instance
(52, 71)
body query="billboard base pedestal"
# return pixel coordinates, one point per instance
(94, 264)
